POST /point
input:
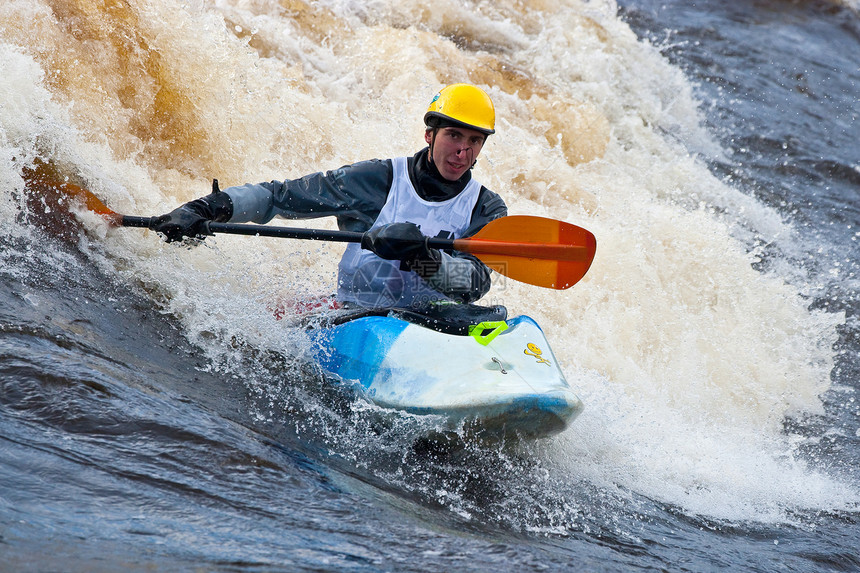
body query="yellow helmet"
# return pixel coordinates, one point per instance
(462, 105)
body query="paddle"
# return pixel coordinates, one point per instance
(534, 250)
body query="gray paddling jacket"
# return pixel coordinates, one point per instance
(355, 195)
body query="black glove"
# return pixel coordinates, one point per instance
(190, 220)
(403, 242)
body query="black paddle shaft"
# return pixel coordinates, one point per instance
(279, 232)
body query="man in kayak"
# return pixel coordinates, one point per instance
(396, 202)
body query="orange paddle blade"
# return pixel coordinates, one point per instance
(91, 202)
(50, 204)
(62, 195)
(534, 250)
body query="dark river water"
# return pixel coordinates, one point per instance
(132, 442)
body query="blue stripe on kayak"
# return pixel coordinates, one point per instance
(546, 403)
(528, 416)
(512, 322)
(355, 350)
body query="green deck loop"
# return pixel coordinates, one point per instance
(479, 331)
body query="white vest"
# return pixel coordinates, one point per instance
(370, 281)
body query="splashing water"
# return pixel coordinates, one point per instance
(689, 359)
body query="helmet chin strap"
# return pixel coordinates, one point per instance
(432, 141)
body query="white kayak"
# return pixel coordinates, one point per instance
(495, 376)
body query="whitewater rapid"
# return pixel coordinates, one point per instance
(688, 356)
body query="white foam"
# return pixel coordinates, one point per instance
(688, 359)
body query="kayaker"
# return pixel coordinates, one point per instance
(397, 202)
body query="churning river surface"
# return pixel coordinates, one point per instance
(154, 416)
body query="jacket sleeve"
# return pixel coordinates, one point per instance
(354, 194)
(462, 276)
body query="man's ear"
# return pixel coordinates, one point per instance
(428, 136)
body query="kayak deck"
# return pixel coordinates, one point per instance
(495, 375)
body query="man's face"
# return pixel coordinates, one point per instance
(455, 150)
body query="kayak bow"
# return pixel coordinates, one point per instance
(499, 377)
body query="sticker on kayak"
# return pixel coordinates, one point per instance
(533, 349)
